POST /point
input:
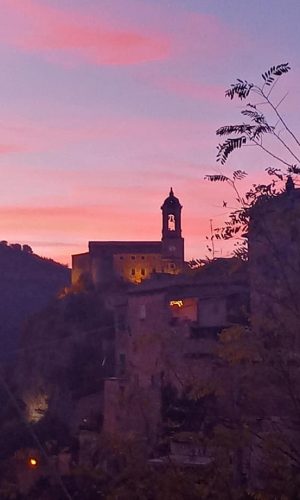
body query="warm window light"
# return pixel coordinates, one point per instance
(33, 462)
(178, 303)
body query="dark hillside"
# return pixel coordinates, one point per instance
(27, 283)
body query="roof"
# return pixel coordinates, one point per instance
(285, 198)
(116, 247)
(171, 201)
(220, 272)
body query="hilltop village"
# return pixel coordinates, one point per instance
(188, 374)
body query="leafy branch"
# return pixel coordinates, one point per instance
(253, 132)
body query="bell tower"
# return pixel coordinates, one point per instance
(172, 241)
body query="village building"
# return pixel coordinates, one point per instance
(166, 336)
(167, 339)
(167, 328)
(274, 264)
(161, 353)
(134, 261)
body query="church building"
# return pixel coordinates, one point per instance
(133, 261)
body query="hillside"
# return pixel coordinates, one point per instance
(67, 349)
(28, 282)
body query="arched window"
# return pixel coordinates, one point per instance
(171, 222)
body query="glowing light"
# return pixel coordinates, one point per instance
(178, 303)
(33, 462)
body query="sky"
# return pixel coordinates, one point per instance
(106, 104)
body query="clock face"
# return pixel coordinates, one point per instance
(172, 248)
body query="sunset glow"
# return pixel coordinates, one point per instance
(106, 105)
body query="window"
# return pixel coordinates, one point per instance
(154, 270)
(172, 266)
(132, 272)
(143, 272)
(142, 257)
(121, 257)
(184, 308)
(133, 257)
(171, 222)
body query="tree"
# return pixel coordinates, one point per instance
(27, 249)
(264, 128)
(263, 431)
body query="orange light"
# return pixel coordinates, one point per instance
(178, 303)
(33, 462)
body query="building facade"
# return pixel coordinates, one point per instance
(274, 265)
(133, 261)
(166, 335)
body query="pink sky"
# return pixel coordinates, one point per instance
(106, 105)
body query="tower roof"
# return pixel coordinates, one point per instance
(171, 201)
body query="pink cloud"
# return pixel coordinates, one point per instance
(126, 135)
(109, 35)
(76, 36)
(10, 148)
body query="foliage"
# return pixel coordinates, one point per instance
(258, 127)
(190, 411)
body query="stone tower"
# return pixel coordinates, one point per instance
(107, 262)
(172, 241)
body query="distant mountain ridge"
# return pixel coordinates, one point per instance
(27, 283)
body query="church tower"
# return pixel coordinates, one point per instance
(172, 241)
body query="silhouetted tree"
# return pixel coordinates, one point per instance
(263, 359)
(262, 123)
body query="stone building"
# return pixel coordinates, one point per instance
(133, 261)
(274, 264)
(166, 335)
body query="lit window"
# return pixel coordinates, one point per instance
(176, 303)
(184, 309)
(171, 222)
